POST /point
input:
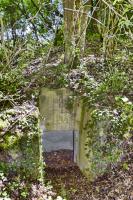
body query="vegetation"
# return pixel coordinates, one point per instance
(85, 46)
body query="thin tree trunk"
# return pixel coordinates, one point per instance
(69, 7)
(83, 28)
(75, 24)
(2, 31)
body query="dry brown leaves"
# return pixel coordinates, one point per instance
(115, 184)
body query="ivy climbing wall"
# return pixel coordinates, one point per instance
(98, 148)
(20, 142)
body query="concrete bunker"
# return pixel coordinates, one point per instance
(64, 117)
(59, 121)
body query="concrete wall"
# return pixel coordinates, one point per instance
(56, 110)
(82, 160)
(96, 151)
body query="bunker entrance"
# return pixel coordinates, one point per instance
(59, 150)
(58, 123)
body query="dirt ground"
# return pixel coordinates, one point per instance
(68, 180)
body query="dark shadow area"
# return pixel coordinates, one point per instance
(59, 148)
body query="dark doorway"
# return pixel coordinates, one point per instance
(59, 147)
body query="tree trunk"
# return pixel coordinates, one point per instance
(69, 7)
(2, 31)
(75, 24)
(84, 23)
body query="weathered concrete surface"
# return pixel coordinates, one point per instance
(56, 110)
(55, 140)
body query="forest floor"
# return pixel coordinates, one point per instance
(68, 180)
